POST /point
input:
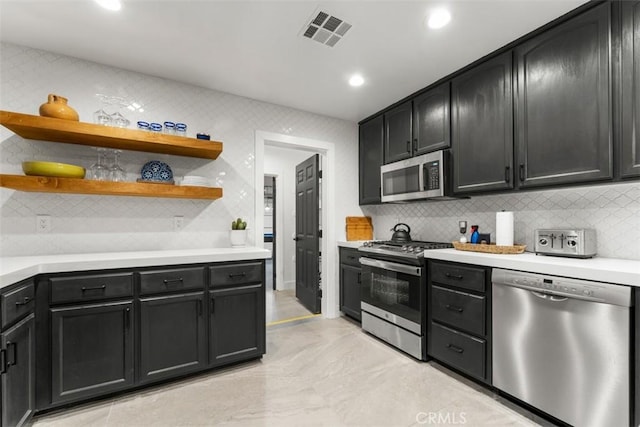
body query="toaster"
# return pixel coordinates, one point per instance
(577, 242)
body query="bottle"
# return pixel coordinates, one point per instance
(475, 236)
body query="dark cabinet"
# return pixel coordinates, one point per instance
(91, 350)
(431, 126)
(18, 372)
(172, 335)
(398, 133)
(237, 323)
(630, 89)
(350, 283)
(237, 312)
(459, 317)
(370, 159)
(564, 113)
(482, 127)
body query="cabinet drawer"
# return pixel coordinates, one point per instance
(459, 276)
(231, 274)
(91, 287)
(458, 350)
(171, 279)
(16, 303)
(459, 309)
(350, 257)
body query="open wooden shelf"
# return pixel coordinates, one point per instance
(71, 132)
(43, 184)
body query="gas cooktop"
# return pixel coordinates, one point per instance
(411, 249)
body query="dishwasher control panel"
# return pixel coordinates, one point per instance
(577, 243)
(564, 286)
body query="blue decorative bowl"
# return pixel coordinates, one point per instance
(157, 171)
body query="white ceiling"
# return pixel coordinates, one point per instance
(256, 49)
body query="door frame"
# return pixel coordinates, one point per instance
(328, 248)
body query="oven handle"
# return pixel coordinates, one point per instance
(392, 266)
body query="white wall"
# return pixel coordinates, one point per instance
(83, 223)
(282, 163)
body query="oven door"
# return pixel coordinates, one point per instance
(392, 288)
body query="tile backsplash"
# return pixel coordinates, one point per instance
(81, 223)
(613, 210)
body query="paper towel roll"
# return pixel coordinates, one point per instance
(504, 228)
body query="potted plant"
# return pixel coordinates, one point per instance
(238, 233)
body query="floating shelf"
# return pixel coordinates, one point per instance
(43, 184)
(71, 132)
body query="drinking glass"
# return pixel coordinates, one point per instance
(99, 171)
(116, 173)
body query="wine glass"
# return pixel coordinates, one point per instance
(99, 171)
(116, 173)
(118, 119)
(101, 117)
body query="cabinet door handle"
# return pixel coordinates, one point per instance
(454, 276)
(231, 276)
(168, 281)
(454, 308)
(95, 288)
(12, 361)
(212, 305)
(408, 146)
(415, 145)
(199, 307)
(507, 174)
(26, 301)
(455, 348)
(521, 173)
(3, 361)
(127, 317)
(359, 277)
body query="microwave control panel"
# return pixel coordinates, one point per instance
(432, 175)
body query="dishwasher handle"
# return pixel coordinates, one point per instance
(549, 297)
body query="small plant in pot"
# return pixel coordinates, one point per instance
(238, 233)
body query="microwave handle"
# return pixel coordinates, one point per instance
(423, 177)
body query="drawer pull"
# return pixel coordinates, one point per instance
(455, 348)
(454, 308)
(3, 361)
(96, 288)
(359, 278)
(167, 281)
(231, 276)
(26, 301)
(454, 276)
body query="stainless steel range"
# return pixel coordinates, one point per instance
(394, 289)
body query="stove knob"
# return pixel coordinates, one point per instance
(410, 249)
(404, 247)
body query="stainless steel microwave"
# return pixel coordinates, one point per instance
(421, 177)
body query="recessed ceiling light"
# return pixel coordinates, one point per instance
(110, 4)
(356, 80)
(438, 18)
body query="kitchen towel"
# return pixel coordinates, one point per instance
(504, 228)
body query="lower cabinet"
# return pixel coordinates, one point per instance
(459, 317)
(18, 372)
(172, 336)
(91, 350)
(237, 325)
(350, 283)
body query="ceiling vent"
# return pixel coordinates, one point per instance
(325, 28)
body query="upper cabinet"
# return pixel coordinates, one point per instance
(563, 108)
(630, 155)
(418, 126)
(431, 129)
(370, 160)
(482, 127)
(397, 133)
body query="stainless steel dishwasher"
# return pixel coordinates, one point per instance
(562, 346)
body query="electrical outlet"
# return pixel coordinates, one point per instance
(178, 223)
(43, 223)
(463, 226)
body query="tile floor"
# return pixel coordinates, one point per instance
(316, 372)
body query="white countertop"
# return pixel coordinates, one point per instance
(15, 269)
(351, 243)
(611, 270)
